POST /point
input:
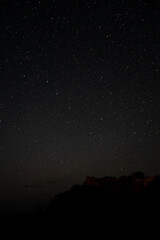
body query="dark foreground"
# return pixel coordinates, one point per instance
(129, 200)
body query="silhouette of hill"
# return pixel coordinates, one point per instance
(109, 197)
(109, 200)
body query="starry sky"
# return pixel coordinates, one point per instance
(79, 93)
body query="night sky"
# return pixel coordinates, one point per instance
(79, 93)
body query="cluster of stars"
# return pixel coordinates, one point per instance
(80, 92)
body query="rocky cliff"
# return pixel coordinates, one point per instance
(110, 196)
(135, 183)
